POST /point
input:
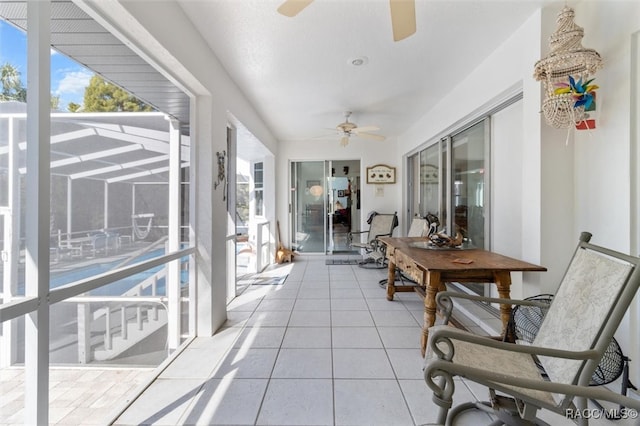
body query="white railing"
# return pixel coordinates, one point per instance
(146, 307)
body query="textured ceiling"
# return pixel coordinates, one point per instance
(297, 72)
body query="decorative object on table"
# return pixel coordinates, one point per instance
(222, 156)
(441, 239)
(381, 173)
(567, 76)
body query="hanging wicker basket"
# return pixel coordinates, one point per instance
(567, 58)
(560, 113)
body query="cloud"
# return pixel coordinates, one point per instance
(73, 83)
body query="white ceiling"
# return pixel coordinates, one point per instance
(297, 71)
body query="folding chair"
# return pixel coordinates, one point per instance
(555, 370)
(381, 225)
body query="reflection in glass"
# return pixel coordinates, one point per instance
(468, 158)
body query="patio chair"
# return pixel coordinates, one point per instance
(381, 225)
(553, 372)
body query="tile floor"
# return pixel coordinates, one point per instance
(324, 348)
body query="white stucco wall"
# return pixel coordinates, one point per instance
(606, 162)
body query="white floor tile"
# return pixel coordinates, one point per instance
(312, 305)
(297, 402)
(303, 364)
(406, 363)
(260, 337)
(355, 337)
(163, 403)
(310, 319)
(370, 402)
(361, 364)
(307, 337)
(195, 363)
(400, 337)
(349, 305)
(351, 319)
(226, 401)
(269, 319)
(247, 364)
(393, 319)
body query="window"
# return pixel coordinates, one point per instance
(258, 188)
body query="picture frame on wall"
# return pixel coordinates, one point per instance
(341, 193)
(381, 173)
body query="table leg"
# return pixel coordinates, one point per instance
(503, 283)
(391, 279)
(433, 284)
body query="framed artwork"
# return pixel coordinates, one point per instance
(341, 193)
(381, 173)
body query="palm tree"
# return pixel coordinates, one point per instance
(12, 88)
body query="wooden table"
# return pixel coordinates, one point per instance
(431, 268)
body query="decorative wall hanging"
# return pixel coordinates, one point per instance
(222, 156)
(381, 173)
(567, 76)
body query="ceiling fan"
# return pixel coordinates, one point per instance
(403, 15)
(348, 129)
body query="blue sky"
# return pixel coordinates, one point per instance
(68, 78)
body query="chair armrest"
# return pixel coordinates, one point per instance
(351, 234)
(444, 369)
(445, 334)
(388, 234)
(445, 305)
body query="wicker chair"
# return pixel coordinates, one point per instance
(555, 370)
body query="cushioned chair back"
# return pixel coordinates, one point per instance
(589, 304)
(417, 228)
(381, 224)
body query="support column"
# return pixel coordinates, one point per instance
(36, 410)
(11, 249)
(69, 210)
(173, 243)
(106, 205)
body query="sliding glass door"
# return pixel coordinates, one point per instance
(450, 179)
(324, 203)
(308, 206)
(470, 174)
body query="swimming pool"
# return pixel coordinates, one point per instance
(118, 287)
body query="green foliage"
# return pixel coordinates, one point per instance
(102, 96)
(73, 107)
(12, 88)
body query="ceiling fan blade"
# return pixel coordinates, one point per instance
(403, 18)
(344, 141)
(371, 136)
(291, 8)
(366, 129)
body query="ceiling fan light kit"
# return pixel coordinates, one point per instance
(347, 129)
